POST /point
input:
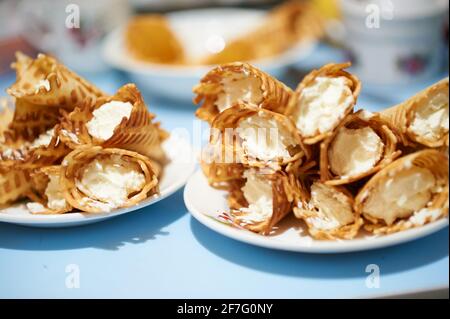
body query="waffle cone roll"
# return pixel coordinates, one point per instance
(238, 82)
(44, 81)
(87, 189)
(282, 28)
(409, 192)
(327, 211)
(150, 38)
(316, 108)
(260, 200)
(14, 185)
(257, 138)
(47, 196)
(138, 132)
(360, 146)
(46, 150)
(6, 116)
(422, 119)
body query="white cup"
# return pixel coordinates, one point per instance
(395, 41)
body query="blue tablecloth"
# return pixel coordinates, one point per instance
(162, 252)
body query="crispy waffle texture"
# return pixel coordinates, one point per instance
(139, 133)
(401, 116)
(230, 119)
(75, 162)
(273, 95)
(431, 161)
(308, 183)
(330, 71)
(283, 194)
(43, 134)
(358, 120)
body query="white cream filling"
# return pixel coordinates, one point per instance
(431, 119)
(239, 87)
(355, 151)
(405, 193)
(55, 197)
(322, 104)
(333, 208)
(107, 117)
(258, 193)
(264, 139)
(36, 208)
(425, 215)
(43, 140)
(111, 180)
(42, 83)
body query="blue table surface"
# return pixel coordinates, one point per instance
(162, 252)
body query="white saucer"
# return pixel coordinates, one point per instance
(176, 173)
(195, 28)
(205, 203)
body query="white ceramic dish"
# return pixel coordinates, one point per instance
(197, 30)
(205, 202)
(176, 173)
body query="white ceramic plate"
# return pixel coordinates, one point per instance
(176, 173)
(205, 202)
(196, 29)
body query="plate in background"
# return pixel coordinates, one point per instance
(175, 175)
(194, 28)
(205, 202)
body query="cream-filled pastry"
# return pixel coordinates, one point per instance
(360, 146)
(235, 83)
(96, 179)
(423, 118)
(404, 189)
(257, 137)
(322, 100)
(328, 211)
(107, 117)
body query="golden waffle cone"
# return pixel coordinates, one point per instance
(31, 120)
(139, 133)
(283, 193)
(274, 94)
(72, 169)
(357, 120)
(329, 70)
(64, 87)
(306, 210)
(401, 116)
(40, 180)
(14, 185)
(281, 29)
(28, 157)
(434, 161)
(43, 156)
(229, 120)
(150, 38)
(6, 116)
(218, 172)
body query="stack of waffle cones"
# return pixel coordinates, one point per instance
(46, 149)
(331, 175)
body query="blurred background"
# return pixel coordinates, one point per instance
(394, 45)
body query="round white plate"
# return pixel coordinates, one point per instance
(197, 30)
(205, 203)
(176, 173)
